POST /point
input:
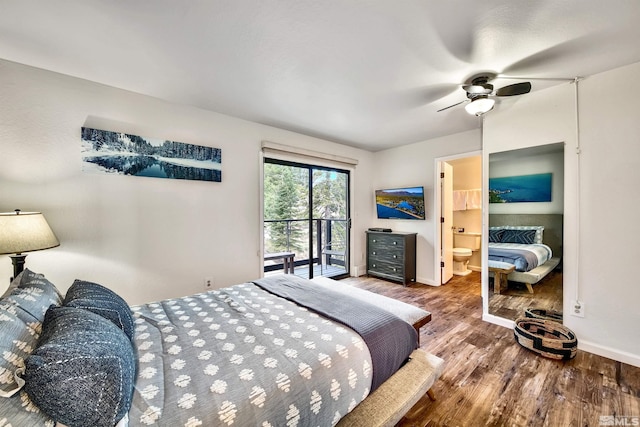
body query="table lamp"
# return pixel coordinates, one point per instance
(24, 232)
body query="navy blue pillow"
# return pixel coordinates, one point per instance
(103, 301)
(83, 371)
(495, 236)
(519, 236)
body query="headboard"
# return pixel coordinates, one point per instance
(552, 223)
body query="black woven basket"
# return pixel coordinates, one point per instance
(539, 313)
(546, 337)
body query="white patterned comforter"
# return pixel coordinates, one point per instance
(241, 356)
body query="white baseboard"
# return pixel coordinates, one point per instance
(359, 270)
(500, 321)
(610, 353)
(426, 281)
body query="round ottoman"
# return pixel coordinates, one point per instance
(539, 313)
(546, 337)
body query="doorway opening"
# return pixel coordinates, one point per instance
(459, 199)
(306, 219)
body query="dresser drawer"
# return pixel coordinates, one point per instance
(389, 268)
(383, 242)
(388, 253)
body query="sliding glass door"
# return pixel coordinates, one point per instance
(306, 219)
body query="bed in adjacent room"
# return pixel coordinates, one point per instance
(533, 250)
(278, 351)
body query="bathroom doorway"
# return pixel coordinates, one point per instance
(459, 199)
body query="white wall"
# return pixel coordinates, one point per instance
(146, 238)
(413, 165)
(601, 226)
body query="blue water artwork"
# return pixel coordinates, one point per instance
(400, 203)
(523, 188)
(388, 213)
(126, 154)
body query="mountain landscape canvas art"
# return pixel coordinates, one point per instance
(125, 154)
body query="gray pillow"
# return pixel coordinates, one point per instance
(83, 371)
(14, 283)
(103, 301)
(18, 338)
(22, 310)
(33, 293)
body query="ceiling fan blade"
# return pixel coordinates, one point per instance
(514, 89)
(451, 106)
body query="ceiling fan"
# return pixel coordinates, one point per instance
(480, 93)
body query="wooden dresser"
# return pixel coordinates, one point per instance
(392, 256)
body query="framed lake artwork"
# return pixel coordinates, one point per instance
(125, 154)
(523, 188)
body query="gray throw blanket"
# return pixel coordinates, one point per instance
(390, 339)
(524, 260)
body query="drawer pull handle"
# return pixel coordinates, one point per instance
(395, 243)
(395, 269)
(374, 265)
(374, 240)
(374, 252)
(395, 256)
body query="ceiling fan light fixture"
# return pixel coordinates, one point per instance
(480, 105)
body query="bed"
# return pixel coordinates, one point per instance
(533, 250)
(242, 355)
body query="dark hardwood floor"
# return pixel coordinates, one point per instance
(490, 380)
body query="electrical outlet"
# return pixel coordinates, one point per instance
(208, 283)
(577, 308)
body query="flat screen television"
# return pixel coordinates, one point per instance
(400, 203)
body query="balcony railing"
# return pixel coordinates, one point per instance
(329, 237)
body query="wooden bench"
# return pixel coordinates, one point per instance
(420, 323)
(287, 260)
(500, 272)
(386, 406)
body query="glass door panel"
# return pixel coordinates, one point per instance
(330, 211)
(306, 215)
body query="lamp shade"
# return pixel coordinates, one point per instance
(480, 105)
(25, 232)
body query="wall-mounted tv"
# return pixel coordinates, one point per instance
(400, 203)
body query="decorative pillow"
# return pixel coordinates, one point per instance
(519, 236)
(103, 301)
(539, 229)
(33, 293)
(19, 337)
(19, 410)
(83, 371)
(14, 284)
(495, 236)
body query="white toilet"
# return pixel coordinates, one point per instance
(464, 245)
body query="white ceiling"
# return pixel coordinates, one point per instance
(367, 73)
